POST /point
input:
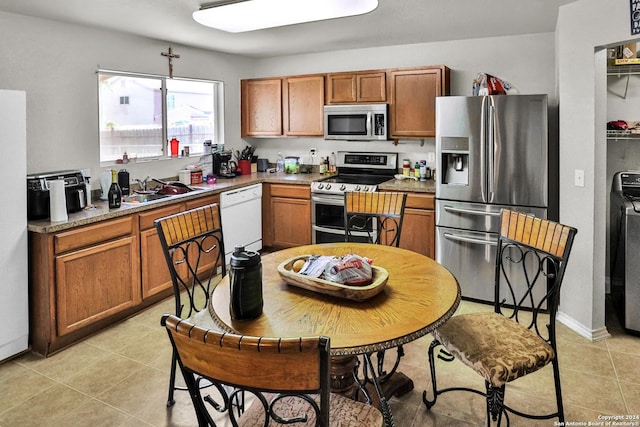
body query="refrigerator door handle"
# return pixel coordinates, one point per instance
(451, 209)
(490, 151)
(466, 239)
(483, 150)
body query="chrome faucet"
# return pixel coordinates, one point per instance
(143, 183)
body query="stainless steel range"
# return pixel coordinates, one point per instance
(357, 171)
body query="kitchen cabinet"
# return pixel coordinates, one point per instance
(419, 224)
(358, 87)
(155, 276)
(412, 103)
(303, 103)
(261, 107)
(286, 106)
(83, 279)
(287, 215)
(80, 278)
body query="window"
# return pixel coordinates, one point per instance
(157, 110)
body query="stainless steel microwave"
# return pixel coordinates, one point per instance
(360, 122)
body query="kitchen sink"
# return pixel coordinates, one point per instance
(143, 198)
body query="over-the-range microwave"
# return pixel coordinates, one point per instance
(360, 122)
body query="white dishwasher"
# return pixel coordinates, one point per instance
(241, 214)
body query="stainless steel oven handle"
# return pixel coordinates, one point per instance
(328, 201)
(470, 211)
(461, 238)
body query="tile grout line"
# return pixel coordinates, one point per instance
(615, 371)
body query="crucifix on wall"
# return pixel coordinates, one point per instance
(171, 56)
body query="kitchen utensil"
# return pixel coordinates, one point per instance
(172, 187)
(244, 167)
(123, 181)
(263, 165)
(246, 284)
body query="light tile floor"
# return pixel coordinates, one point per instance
(119, 377)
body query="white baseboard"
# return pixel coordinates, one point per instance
(580, 329)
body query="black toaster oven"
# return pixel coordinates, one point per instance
(38, 192)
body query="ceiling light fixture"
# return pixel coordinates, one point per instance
(236, 16)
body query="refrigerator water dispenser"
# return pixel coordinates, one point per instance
(455, 161)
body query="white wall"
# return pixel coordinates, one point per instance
(56, 65)
(584, 27)
(528, 62)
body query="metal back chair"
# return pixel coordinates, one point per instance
(519, 336)
(376, 216)
(194, 250)
(289, 378)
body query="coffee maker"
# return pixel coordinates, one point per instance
(223, 166)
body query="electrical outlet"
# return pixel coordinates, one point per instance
(578, 178)
(431, 157)
(312, 151)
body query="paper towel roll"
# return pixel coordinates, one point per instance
(57, 201)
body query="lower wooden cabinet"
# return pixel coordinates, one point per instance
(419, 224)
(286, 215)
(96, 282)
(154, 271)
(85, 278)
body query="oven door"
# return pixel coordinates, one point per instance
(327, 220)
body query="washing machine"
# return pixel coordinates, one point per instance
(625, 248)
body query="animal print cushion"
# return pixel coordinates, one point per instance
(497, 348)
(343, 412)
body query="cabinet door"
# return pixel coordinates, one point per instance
(96, 282)
(341, 88)
(291, 219)
(372, 87)
(154, 271)
(303, 106)
(413, 102)
(350, 88)
(261, 107)
(418, 231)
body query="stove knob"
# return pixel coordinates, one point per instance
(357, 188)
(343, 187)
(328, 187)
(320, 186)
(365, 188)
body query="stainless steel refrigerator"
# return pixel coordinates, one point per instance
(491, 152)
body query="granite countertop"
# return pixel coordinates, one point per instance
(101, 211)
(428, 186)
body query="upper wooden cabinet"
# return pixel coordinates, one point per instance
(412, 101)
(287, 106)
(303, 102)
(353, 88)
(261, 105)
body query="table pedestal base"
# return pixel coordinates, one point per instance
(342, 381)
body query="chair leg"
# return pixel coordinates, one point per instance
(556, 380)
(172, 380)
(432, 367)
(495, 403)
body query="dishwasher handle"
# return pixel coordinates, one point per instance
(467, 239)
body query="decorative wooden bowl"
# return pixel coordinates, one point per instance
(353, 292)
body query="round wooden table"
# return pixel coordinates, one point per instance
(420, 295)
